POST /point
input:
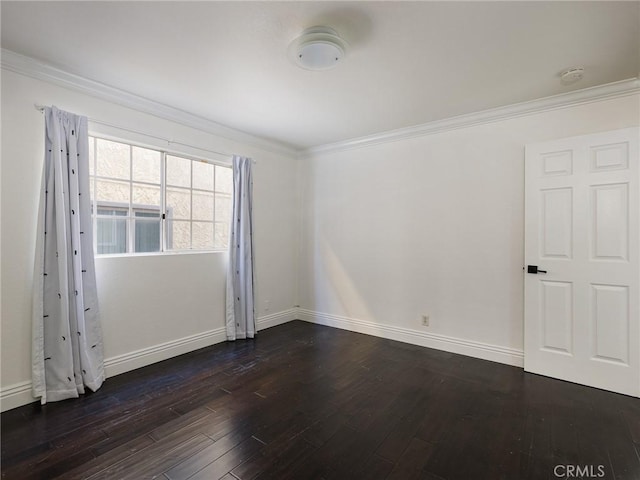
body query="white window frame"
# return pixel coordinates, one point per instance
(162, 209)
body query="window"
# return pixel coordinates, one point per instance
(146, 200)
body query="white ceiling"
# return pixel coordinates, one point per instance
(408, 63)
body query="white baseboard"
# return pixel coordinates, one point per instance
(15, 395)
(274, 319)
(19, 394)
(156, 353)
(495, 353)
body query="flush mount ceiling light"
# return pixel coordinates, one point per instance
(318, 48)
(572, 75)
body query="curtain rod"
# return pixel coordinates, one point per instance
(41, 108)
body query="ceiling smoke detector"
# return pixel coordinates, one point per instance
(572, 75)
(318, 48)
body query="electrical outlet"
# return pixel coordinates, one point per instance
(267, 305)
(425, 320)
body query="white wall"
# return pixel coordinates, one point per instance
(367, 239)
(152, 306)
(431, 225)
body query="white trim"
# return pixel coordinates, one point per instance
(274, 319)
(15, 395)
(485, 351)
(578, 97)
(39, 70)
(42, 71)
(19, 394)
(156, 353)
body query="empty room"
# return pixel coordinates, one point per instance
(320, 240)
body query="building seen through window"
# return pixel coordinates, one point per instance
(146, 200)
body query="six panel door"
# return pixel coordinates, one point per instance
(582, 233)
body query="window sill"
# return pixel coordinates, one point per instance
(158, 254)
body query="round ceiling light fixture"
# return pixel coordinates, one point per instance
(318, 48)
(572, 75)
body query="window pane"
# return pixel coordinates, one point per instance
(203, 206)
(112, 235)
(147, 232)
(178, 171)
(223, 208)
(178, 235)
(221, 239)
(111, 191)
(91, 155)
(146, 195)
(224, 179)
(146, 165)
(202, 236)
(145, 214)
(202, 175)
(119, 212)
(178, 203)
(136, 182)
(113, 159)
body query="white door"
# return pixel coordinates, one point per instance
(582, 214)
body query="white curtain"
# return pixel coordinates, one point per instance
(67, 338)
(241, 322)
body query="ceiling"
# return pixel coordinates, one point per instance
(407, 63)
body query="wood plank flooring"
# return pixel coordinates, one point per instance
(303, 401)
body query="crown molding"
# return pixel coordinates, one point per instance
(31, 67)
(563, 100)
(39, 70)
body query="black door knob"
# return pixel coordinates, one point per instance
(534, 269)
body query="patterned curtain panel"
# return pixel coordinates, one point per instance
(67, 351)
(241, 320)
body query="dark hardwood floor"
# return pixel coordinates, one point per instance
(308, 402)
